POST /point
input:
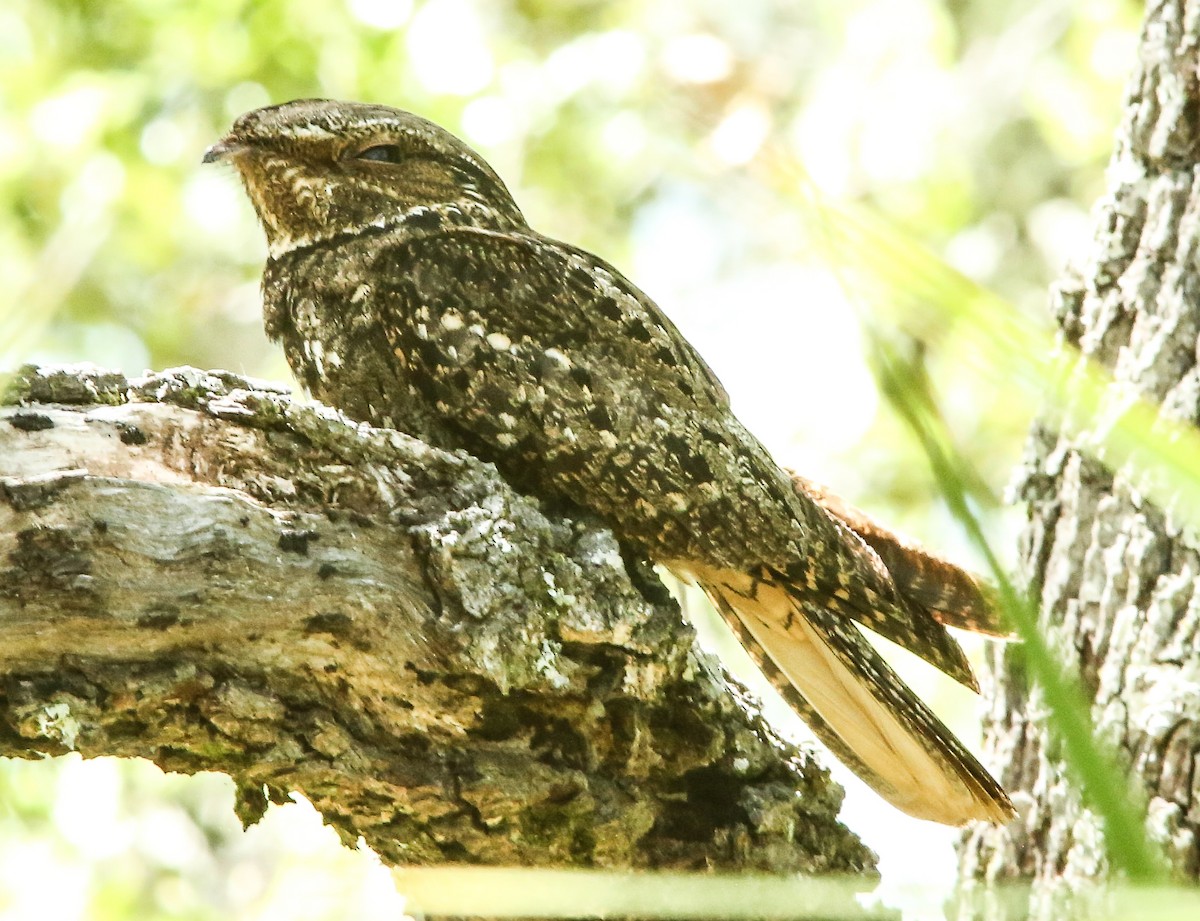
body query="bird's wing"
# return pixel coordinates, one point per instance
(518, 285)
(559, 370)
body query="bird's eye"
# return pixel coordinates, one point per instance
(382, 153)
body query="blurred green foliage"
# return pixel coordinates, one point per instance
(674, 139)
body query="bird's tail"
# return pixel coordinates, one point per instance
(856, 704)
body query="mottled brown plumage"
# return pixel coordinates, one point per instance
(408, 291)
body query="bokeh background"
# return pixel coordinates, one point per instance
(682, 141)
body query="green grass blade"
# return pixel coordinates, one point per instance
(1103, 784)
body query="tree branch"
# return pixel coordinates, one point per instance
(197, 570)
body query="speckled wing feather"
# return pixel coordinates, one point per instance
(557, 370)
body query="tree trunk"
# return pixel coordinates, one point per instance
(1117, 579)
(198, 571)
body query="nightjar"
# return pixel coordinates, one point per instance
(408, 291)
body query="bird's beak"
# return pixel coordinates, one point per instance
(225, 149)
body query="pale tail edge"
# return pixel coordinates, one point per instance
(854, 701)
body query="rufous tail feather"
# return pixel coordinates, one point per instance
(950, 594)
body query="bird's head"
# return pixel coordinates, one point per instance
(318, 169)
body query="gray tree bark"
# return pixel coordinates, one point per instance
(196, 570)
(1117, 578)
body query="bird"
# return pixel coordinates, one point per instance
(407, 290)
